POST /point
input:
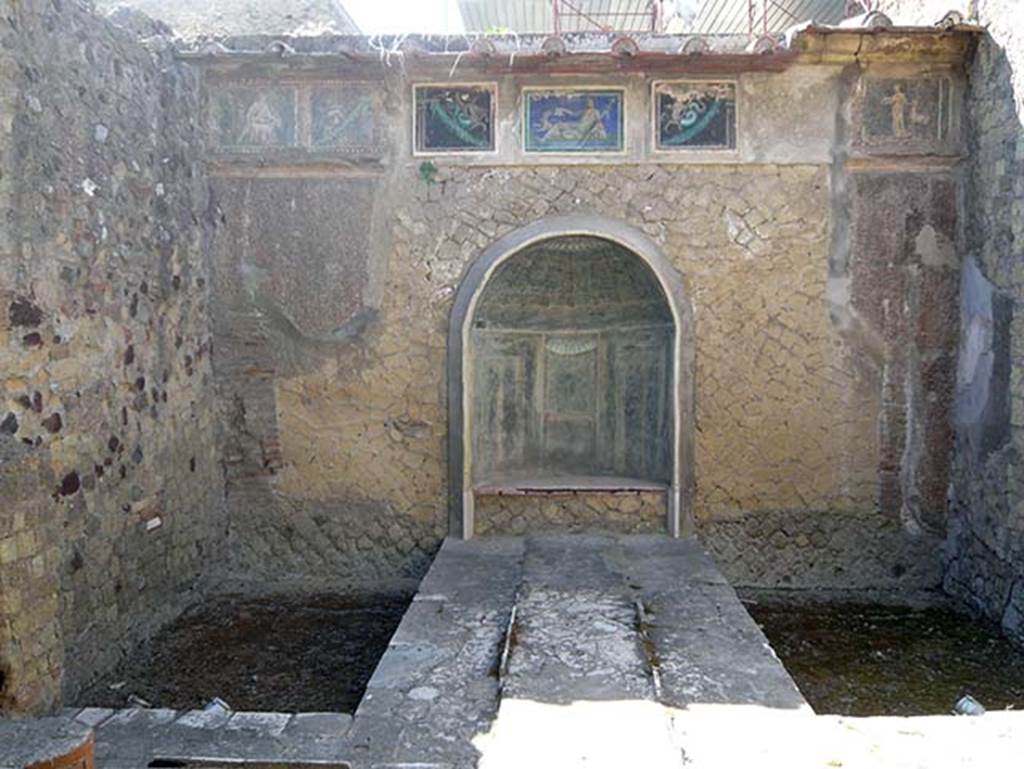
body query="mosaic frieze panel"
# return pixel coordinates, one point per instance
(454, 118)
(694, 115)
(904, 112)
(254, 117)
(324, 117)
(573, 120)
(344, 117)
(317, 117)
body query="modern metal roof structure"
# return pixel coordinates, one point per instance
(741, 17)
(713, 17)
(522, 16)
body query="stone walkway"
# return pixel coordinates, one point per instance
(550, 649)
(617, 651)
(437, 687)
(565, 651)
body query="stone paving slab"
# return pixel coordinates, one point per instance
(436, 688)
(657, 562)
(709, 649)
(576, 627)
(614, 634)
(135, 737)
(602, 636)
(468, 567)
(27, 743)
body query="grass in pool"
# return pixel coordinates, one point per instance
(869, 660)
(277, 653)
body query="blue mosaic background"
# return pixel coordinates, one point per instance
(574, 121)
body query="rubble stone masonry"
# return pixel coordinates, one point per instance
(822, 398)
(223, 332)
(110, 483)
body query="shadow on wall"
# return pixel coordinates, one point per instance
(985, 547)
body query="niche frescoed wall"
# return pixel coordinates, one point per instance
(572, 348)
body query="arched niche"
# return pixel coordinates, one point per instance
(570, 360)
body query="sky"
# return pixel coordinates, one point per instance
(396, 16)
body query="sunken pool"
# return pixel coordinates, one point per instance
(312, 653)
(858, 659)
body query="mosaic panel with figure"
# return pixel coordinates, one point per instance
(344, 117)
(573, 121)
(904, 112)
(695, 115)
(454, 118)
(253, 117)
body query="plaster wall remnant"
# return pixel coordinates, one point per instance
(985, 549)
(823, 378)
(110, 479)
(294, 357)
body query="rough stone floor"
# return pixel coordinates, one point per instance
(566, 651)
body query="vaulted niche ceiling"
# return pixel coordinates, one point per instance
(572, 367)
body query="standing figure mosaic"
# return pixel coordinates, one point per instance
(904, 111)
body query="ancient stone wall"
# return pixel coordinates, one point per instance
(985, 552)
(112, 502)
(627, 512)
(216, 18)
(819, 246)
(822, 436)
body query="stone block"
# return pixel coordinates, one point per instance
(93, 717)
(270, 724)
(313, 724)
(203, 719)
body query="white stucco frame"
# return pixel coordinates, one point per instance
(460, 386)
